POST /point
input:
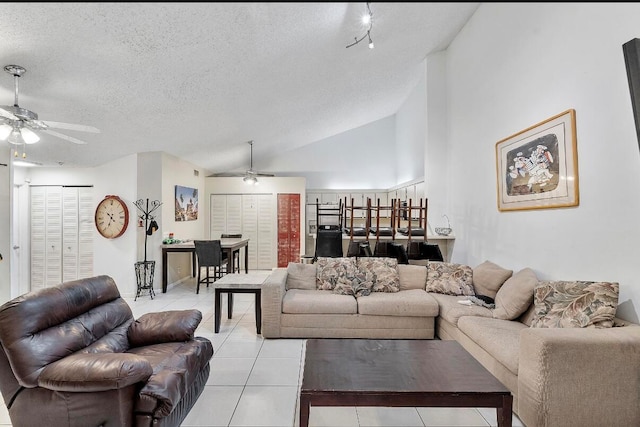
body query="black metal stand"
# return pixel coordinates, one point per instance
(145, 269)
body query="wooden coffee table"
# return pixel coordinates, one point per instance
(362, 372)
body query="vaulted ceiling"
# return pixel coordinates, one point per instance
(198, 80)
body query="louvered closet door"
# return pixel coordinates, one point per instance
(85, 232)
(218, 216)
(234, 214)
(250, 227)
(77, 233)
(266, 234)
(46, 236)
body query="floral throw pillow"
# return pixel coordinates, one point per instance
(579, 304)
(339, 275)
(379, 274)
(449, 278)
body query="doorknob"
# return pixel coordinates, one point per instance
(16, 247)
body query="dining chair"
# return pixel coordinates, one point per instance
(236, 253)
(328, 243)
(209, 256)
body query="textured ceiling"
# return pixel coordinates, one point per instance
(198, 80)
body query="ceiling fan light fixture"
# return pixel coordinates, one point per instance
(5, 131)
(250, 179)
(29, 136)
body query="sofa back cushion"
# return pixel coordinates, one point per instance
(335, 272)
(449, 278)
(43, 326)
(515, 295)
(575, 304)
(412, 276)
(488, 278)
(379, 274)
(301, 276)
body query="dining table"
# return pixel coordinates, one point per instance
(229, 246)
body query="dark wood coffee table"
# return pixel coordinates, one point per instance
(361, 372)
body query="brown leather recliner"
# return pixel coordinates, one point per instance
(73, 355)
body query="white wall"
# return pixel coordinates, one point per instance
(436, 171)
(410, 134)
(117, 257)
(364, 157)
(5, 224)
(176, 171)
(515, 65)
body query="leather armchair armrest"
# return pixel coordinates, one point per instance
(91, 372)
(166, 326)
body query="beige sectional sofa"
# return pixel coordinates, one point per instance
(292, 307)
(559, 376)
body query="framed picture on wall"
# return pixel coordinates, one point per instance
(186, 203)
(537, 168)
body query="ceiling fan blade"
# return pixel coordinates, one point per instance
(7, 114)
(69, 126)
(227, 174)
(63, 136)
(263, 174)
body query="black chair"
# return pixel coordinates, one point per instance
(209, 255)
(236, 254)
(359, 249)
(424, 250)
(391, 250)
(328, 243)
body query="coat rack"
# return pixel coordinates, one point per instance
(145, 269)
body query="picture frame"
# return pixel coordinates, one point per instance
(186, 203)
(537, 168)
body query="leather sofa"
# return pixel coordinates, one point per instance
(73, 355)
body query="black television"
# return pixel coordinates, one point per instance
(631, 50)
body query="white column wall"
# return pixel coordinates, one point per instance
(515, 65)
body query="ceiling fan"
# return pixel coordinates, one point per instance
(250, 176)
(17, 124)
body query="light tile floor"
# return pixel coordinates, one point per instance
(255, 382)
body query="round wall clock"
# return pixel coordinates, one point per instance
(112, 217)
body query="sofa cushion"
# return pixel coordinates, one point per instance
(515, 295)
(302, 301)
(379, 274)
(449, 278)
(331, 271)
(412, 277)
(500, 338)
(578, 304)
(451, 311)
(414, 302)
(301, 276)
(488, 278)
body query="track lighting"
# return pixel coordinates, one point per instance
(367, 19)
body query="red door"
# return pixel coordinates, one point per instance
(288, 228)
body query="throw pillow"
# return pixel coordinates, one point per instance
(488, 277)
(379, 274)
(412, 276)
(579, 304)
(337, 274)
(449, 278)
(301, 276)
(515, 295)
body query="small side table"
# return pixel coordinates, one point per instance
(239, 283)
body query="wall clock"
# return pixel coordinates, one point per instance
(112, 217)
